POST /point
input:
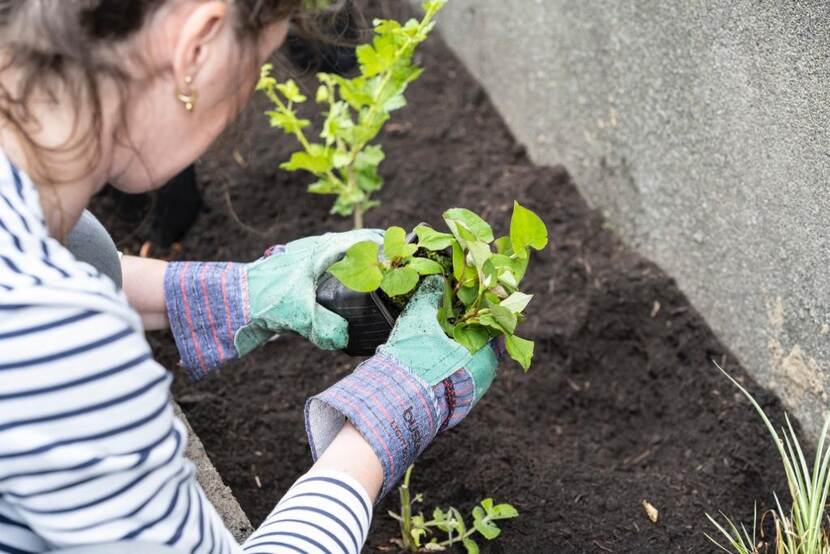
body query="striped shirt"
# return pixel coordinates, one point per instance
(90, 450)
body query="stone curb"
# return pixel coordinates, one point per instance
(219, 494)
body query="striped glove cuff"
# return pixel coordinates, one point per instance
(207, 303)
(396, 412)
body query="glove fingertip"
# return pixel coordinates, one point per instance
(329, 330)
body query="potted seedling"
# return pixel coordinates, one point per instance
(483, 276)
(345, 161)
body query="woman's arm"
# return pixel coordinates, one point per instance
(102, 458)
(329, 508)
(352, 455)
(144, 286)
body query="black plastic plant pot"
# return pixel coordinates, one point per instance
(370, 316)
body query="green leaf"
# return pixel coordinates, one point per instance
(338, 124)
(472, 337)
(520, 350)
(287, 121)
(400, 281)
(340, 159)
(488, 529)
(505, 318)
(396, 102)
(489, 273)
(433, 6)
(431, 239)
(323, 94)
(369, 60)
(480, 252)
(395, 244)
(495, 295)
(353, 91)
(359, 269)
(318, 161)
(527, 230)
(508, 279)
(417, 534)
(324, 186)
(386, 26)
(458, 261)
(459, 520)
(370, 156)
(347, 200)
(291, 91)
(517, 266)
(517, 302)
(369, 181)
(503, 511)
(520, 268)
(504, 246)
(482, 522)
(425, 266)
(471, 546)
(266, 81)
(490, 322)
(468, 295)
(471, 222)
(445, 311)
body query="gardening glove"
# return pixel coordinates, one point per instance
(417, 384)
(221, 311)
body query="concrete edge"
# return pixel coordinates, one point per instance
(219, 494)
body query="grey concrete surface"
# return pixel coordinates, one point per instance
(700, 127)
(217, 492)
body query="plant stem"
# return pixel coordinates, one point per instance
(450, 542)
(353, 187)
(406, 511)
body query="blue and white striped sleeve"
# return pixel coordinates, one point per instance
(323, 512)
(91, 451)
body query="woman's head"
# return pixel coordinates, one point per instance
(129, 91)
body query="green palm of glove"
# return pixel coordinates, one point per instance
(419, 344)
(282, 292)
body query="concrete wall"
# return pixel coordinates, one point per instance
(701, 127)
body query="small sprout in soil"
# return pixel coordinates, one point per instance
(345, 162)
(482, 300)
(805, 529)
(418, 532)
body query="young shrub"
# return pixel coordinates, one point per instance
(345, 162)
(419, 533)
(482, 300)
(805, 528)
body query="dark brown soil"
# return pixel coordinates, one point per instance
(623, 402)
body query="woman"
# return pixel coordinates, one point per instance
(130, 92)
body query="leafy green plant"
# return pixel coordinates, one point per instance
(345, 162)
(482, 299)
(418, 533)
(805, 528)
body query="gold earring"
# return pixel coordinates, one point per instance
(188, 98)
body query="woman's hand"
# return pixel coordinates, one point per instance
(418, 384)
(220, 311)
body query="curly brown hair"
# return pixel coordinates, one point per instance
(69, 45)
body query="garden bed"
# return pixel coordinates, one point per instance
(622, 404)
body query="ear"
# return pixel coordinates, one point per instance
(199, 29)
